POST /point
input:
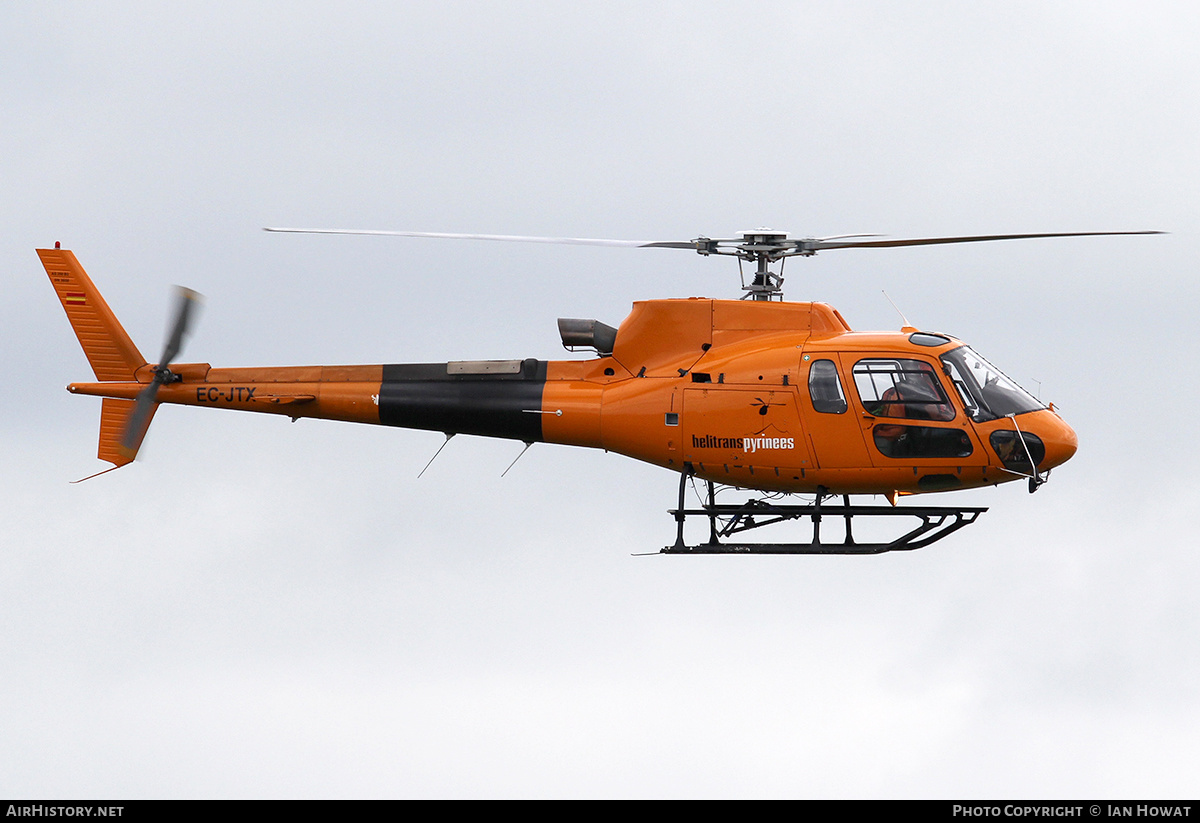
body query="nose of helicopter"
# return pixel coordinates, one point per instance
(1059, 439)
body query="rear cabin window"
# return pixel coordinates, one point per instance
(825, 388)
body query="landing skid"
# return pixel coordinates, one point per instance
(725, 520)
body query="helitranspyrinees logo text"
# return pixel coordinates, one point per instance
(746, 444)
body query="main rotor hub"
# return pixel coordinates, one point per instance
(757, 242)
(761, 246)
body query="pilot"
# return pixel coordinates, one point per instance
(914, 398)
(889, 437)
(923, 400)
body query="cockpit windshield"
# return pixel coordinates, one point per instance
(986, 393)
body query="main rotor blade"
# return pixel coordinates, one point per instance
(508, 238)
(833, 243)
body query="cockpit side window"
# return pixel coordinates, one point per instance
(825, 388)
(899, 387)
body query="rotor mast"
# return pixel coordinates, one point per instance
(766, 285)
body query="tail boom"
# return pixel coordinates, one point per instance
(529, 400)
(445, 397)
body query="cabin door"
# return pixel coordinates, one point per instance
(833, 422)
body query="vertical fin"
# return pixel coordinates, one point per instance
(109, 350)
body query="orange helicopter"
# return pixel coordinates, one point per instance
(755, 394)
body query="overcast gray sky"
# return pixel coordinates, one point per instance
(257, 608)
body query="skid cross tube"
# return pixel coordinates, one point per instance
(935, 522)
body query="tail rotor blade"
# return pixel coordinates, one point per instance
(185, 300)
(139, 421)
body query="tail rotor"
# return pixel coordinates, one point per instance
(186, 303)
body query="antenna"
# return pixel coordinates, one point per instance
(436, 453)
(897, 308)
(528, 443)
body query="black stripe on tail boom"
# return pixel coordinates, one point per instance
(448, 398)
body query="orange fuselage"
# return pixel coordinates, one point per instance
(724, 388)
